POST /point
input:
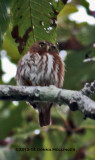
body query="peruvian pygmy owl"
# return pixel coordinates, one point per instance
(41, 66)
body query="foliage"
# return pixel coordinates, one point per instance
(21, 24)
(4, 18)
(33, 21)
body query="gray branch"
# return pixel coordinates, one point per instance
(76, 100)
(89, 89)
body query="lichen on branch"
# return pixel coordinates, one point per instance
(76, 100)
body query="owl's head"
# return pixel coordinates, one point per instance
(44, 47)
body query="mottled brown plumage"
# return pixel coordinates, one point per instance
(41, 66)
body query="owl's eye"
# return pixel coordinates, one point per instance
(52, 48)
(42, 45)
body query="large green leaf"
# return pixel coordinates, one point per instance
(4, 18)
(33, 21)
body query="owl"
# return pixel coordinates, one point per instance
(41, 66)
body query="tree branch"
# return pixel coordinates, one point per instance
(89, 89)
(76, 100)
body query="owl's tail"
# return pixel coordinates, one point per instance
(44, 116)
(44, 112)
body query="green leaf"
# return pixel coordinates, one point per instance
(83, 3)
(4, 19)
(64, 27)
(32, 22)
(48, 145)
(78, 72)
(1, 72)
(27, 131)
(10, 46)
(68, 9)
(85, 34)
(91, 151)
(10, 118)
(57, 6)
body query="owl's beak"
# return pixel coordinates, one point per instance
(47, 47)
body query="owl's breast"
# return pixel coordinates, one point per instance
(36, 69)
